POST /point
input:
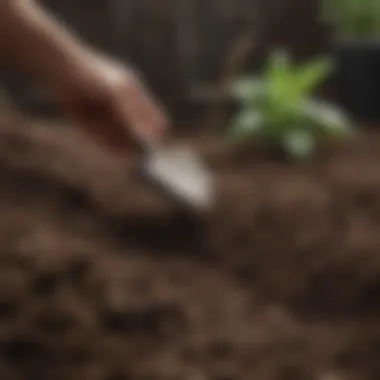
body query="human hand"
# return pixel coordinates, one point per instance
(109, 103)
(103, 97)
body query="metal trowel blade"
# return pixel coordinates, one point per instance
(181, 174)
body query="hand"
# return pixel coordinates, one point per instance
(109, 103)
(105, 98)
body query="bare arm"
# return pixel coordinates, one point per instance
(35, 42)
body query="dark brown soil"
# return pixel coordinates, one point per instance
(104, 279)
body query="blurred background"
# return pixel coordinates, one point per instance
(186, 49)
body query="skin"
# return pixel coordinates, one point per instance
(105, 98)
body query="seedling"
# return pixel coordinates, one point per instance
(277, 107)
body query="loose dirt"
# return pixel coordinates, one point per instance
(104, 279)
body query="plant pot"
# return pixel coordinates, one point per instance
(357, 80)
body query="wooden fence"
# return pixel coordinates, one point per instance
(179, 45)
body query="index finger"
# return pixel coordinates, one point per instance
(142, 115)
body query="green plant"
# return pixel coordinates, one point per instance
(277, 107)
(354, 18)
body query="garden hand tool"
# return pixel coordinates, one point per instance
(179, 172)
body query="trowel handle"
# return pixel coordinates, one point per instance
(146, 143)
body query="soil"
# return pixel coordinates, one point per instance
(103, 278)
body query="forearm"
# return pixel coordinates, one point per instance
(34, 41)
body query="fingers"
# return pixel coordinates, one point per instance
(116, 113)
(144, 117)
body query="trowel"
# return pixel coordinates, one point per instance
(178, 171)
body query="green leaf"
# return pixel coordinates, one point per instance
(310, 75)
(247, 88)
(246, 124)
(300, 144)
(331, 121)
(279, 62)
(280, 77)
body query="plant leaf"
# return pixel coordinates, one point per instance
(246, 124)
(310, 75)
(331, 121)
(300, 144)
(247, 88)
(278, 63)
(281, 80)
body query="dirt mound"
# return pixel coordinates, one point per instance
(103, 279)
